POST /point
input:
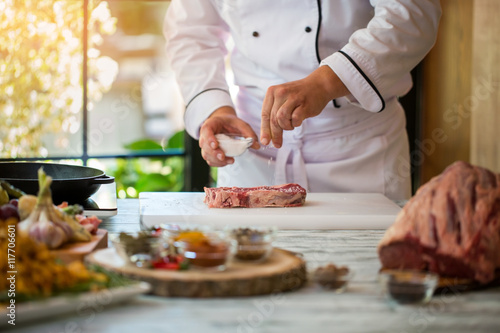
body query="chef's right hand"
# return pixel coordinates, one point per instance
(222, 120)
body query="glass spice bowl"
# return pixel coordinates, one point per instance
(139, 248)
(254, 243)
(334, 278)
(205, 251)
(408, 286)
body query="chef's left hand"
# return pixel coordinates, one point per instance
(287, 105)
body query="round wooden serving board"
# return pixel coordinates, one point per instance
(283, 271)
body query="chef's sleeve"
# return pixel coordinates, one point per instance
(196, 37)
(375, 63)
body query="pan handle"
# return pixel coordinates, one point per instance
(104, 179)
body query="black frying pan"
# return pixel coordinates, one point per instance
(70, 183)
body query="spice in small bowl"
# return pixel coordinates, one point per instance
(205, 251)
(408, 286)
(333, 277)
(253, 243)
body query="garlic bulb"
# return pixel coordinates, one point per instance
(48, 224)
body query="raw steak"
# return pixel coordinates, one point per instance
(287, 195)
(451, 226)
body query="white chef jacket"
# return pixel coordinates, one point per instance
(358, 143)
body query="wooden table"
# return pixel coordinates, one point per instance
(360, 309)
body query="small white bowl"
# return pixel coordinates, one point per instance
(232, 144)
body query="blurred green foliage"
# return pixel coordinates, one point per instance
(158, 174)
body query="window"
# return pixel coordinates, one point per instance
(87, 82)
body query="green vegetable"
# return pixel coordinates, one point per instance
(73, 210)
(4, 197)
(12, 191)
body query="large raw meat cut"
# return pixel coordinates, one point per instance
(451, 226)
(286, 195)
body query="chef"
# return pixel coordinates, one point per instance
(317, 83)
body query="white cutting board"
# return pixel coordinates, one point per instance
(321, 211)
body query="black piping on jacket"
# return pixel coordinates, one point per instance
(320, 18)
(201, 92)
(366, 78)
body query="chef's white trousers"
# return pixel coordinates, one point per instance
(368, 154)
